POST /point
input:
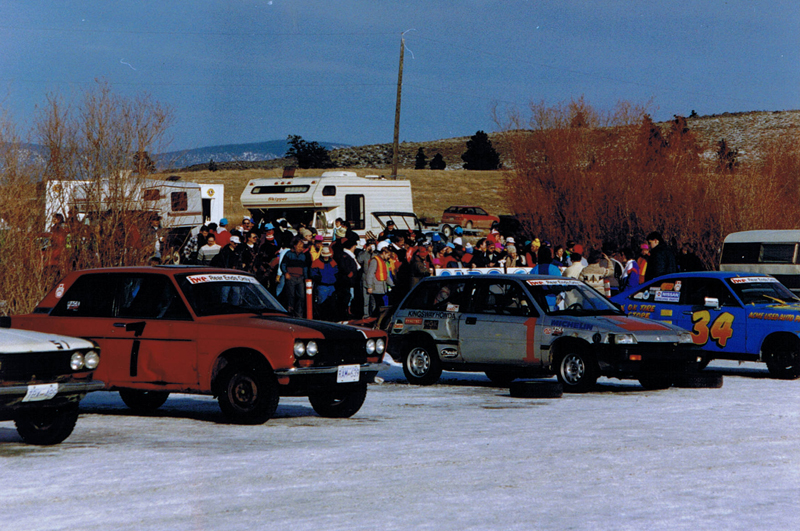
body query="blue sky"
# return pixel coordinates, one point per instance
(250, 71)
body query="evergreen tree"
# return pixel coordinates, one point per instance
(726, 157)
(212, 166)
(308, 154)
(142, 163)
(480, 154)
(437, 162)
(421, 160)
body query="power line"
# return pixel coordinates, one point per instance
(117, 31)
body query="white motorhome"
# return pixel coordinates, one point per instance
(318, 201)
(772, 252)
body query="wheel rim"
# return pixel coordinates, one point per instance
(573, 369)
(243, 392)
(419, 362)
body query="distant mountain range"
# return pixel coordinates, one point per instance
(259, 151)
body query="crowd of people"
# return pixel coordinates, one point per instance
(354, 277)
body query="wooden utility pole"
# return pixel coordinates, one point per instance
(396, 144)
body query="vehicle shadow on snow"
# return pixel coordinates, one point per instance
(201, 408)
(744, 372)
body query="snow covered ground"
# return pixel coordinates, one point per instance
(455, 456)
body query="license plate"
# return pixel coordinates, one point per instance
(348, 373)
(39, 392)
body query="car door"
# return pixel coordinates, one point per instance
(499, 326)
(706, 307)
(142, 326)
(161, 331)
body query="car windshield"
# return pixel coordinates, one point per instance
(569, 297)
(761, 290)
(227, 293)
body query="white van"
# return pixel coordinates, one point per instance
(772, 252)
(318, 201)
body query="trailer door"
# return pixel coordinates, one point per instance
(354, 211)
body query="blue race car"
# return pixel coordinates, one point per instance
(734, 316)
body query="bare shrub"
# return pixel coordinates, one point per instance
(599, 179)
(92, 174)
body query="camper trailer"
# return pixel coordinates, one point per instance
(318, 201)
(178, 204)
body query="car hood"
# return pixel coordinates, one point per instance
(643, 329)
(13, 341)
(298, 327)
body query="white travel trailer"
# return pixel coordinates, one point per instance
(179, 204)
(318, 201)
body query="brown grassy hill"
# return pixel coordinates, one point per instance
(436, 190)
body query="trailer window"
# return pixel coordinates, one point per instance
(329, 190)
(740, 253)
(777, 253)
(354, 211)
(180, 201)
(296, 189)
(152, 194)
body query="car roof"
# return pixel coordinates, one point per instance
(508, 276)
(712, 274)
(160, 268)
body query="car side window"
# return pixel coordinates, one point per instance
(150, 297)
(503, 298)
(125, 296)
(89, 296)
(439, 296)
(696, 290)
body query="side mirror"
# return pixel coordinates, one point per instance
(711, 302)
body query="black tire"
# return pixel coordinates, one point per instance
(143, 401)
(501, 377)
(783, 363)
(699, 381)
(247, 395)
(447, 230)
(576, 371)
(46, 425)
(655, 382)
(421, 364)
(536, 389)
(340, 402)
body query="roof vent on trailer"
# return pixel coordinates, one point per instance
(339, 174)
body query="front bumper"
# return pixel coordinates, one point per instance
(304, 380)
(633, 360)
(12, 396)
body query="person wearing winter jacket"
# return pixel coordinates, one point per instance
(379, 279)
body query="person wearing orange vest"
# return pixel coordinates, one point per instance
(379, 279)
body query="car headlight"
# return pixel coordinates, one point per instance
(76, 361)
(299, 348)
(685, 337)
(91, 360)
(380, 346)
(625, 339)
(312, 349)
(370, 346)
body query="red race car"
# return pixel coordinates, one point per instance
(198, 330)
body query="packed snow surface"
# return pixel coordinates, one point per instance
(458, 455)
